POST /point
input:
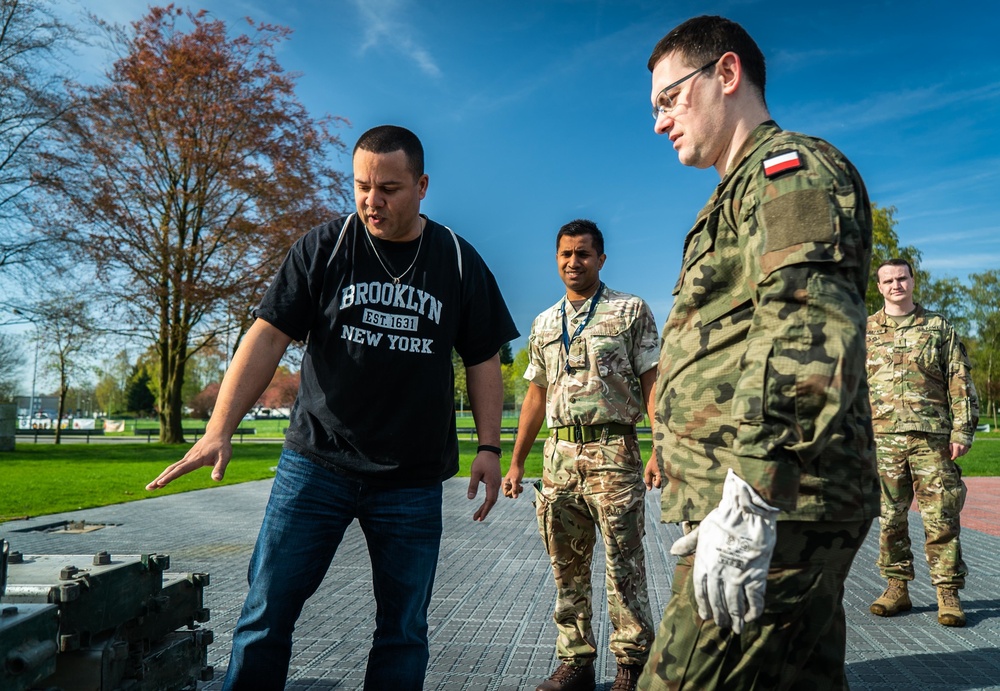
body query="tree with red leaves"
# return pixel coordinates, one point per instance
(195, 168)
(282, 390)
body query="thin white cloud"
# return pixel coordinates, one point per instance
(383, 27)
(960, 176)
(953, 191)
(981, 236)
(970, 263)
(953, 195)
(897, 106)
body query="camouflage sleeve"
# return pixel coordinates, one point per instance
(961, 392)
(535, 371)
(805, 236)
(645, 341)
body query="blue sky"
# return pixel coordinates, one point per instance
(535, 113)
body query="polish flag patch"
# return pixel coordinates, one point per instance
(781, 162)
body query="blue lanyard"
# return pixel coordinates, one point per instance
(590, 313)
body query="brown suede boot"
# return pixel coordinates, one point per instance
(894, 600)
(950, 608)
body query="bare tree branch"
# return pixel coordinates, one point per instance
(33, 104)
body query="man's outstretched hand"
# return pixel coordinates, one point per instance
(207, 451)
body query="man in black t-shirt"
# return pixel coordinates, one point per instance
(380, 298)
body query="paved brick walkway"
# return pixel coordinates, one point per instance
(491, 615)
(982, 505)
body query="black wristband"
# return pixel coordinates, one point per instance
(486, 447)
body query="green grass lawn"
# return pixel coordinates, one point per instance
(983, 459)
(39, 479)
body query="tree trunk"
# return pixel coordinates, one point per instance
(63, 389)
(173, 362)
(989, 397)
(171, 405)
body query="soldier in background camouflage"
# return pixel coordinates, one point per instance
(592, 365)
(925, 411)
(761, 373)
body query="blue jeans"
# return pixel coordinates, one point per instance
(309, 510)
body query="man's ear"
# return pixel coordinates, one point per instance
(730, 68)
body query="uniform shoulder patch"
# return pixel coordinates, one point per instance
(780, 162)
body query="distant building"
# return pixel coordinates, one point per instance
(46, 407)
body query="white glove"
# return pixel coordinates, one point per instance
(732, 551)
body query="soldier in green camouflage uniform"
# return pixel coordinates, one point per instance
(925, 411)
(761, 369)
(592, 366)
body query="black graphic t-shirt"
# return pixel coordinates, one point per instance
(376, 398)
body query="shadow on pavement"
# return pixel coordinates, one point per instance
(980, 669)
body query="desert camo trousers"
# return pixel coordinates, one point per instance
(800, 640)
(587, 489)
(919, 464)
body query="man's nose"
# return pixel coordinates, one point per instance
(663, 123)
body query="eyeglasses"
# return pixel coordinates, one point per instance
(664, 101)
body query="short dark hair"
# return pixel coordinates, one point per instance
(385, 139)
(896, 261)
(582, 226)
(702, 39)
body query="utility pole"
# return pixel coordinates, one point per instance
(34, 373)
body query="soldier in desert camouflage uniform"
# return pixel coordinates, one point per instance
(925, 411)
(592, 365)
(762, 423)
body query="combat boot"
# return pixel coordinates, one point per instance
(894, 600)
(950, 608)
(570, 678)
(627, 677)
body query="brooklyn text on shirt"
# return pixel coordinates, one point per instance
(401, 296)
(387, 294)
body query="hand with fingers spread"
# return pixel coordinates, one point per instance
(732, 550)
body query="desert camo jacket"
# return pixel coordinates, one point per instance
(920, 377)
(762, 357)
(617, 346)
